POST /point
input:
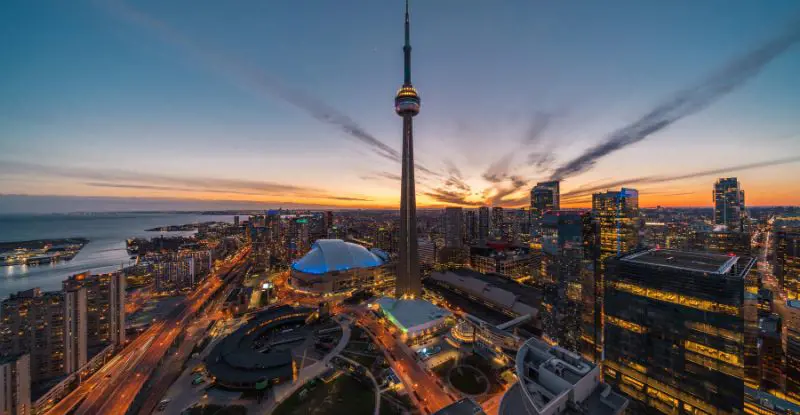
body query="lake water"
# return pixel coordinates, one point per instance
(105, 251)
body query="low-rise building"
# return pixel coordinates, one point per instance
(555, 381)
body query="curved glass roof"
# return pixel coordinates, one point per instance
(328, 255)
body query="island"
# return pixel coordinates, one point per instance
(183, 228)
(40, 251)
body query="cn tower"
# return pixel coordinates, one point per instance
(406, 104)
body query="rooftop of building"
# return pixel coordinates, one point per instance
(465, 406)
(407, 314)
(550, 374)
(327, 255)
(11, 358)
(235, 360)
(496, 289)
(705, 262)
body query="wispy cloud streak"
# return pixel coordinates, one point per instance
(586, 190)
(685, 103)
(258, 82)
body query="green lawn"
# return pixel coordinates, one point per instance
(343, 396)
(468, 380)
(218, 410)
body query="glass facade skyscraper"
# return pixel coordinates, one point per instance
(675, 331)
(729, 207)
(567, 277)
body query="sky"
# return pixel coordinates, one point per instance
(255, 103)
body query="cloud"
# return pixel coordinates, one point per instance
(122, 179)
(684, 103)
(256, 81)
(587, 190)
(380, 175)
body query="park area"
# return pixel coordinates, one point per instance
(344, 395)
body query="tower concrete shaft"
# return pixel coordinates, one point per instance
(407, 104)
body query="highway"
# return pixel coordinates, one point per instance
(425, 389)
(123, 377)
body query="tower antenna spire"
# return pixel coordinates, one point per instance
(407, 50)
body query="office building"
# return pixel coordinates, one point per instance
(34, 322)
(426, 252)
(510, 261)
(105, 303)
(722, 241)
(555, 381)
(453, 227)
(618, 218)
(675, 330)
(15, 385)
(770, 354)
(386, 239)
(792, 350)
(729, 209)
(545, 196)
(407, 104)
(787, 260)
(566, 274)
(483, 224)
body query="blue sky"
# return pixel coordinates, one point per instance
(173, 88)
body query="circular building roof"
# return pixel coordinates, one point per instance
(328, 255)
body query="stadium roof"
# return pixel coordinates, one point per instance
(328, 255)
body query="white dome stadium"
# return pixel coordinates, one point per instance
(328, 255)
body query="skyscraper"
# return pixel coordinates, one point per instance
(105, 300)
(618, 215)
(453, 227)
(545, 196)
(729, 204)
(15, 385)
(787, 260)
(471, 222)
(498, 220)
(406, 104)
(34, 322)
(483, 224)
(566, 274)
(675, 332)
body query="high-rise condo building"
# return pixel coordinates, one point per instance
(567, 277)
(675, 330)
(75, 328)
(34, 322)
(498, 221)
(407, 104)
(105, 302)
(15, 385)
(729, 207)
(471, 223)
(453, 227)
(483, 224)
(545, 196)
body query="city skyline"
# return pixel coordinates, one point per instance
(260, 113)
